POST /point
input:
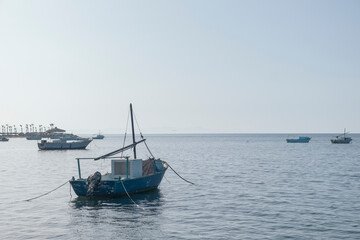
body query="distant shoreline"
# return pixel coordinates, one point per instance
(23, 135)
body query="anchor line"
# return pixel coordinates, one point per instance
(70, 193)
(30, 199)
(129, 195)
(179, 175)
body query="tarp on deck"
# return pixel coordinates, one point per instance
(148, 167)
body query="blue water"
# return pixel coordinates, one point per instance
(246, 187)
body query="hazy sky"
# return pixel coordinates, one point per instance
(187, 66)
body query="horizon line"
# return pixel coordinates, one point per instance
(223, 133)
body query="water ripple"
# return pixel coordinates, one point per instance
(247, 187)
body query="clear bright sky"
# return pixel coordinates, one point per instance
(187, 66)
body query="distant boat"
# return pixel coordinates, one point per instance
(126, 176)
(67, 136)
(63, 144)
(342, 139)
(3, 139)
(99, 136)
(298, 140)
(53, 133)
(34, 137)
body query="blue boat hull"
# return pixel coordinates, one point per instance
(296, 141)
(114, 188)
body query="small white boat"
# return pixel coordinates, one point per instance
(63, 144)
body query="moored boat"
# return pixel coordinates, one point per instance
(341, 139)
(39, 136)
(298, 140)
(3, 139)
(63, 144)
(98, 136)
(128, 175)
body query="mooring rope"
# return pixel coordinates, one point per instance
(166, 179)
(30, 199)
(179, 175)
(70, 192)
(129, 195)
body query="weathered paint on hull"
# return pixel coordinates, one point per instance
(114, 188)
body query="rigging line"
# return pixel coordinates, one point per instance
(149, 150)
(30, 199)
(127, 124)
(129, 195)
(142, 136)
(179, 175)
(137, 124)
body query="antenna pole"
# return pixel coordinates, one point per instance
(132, 128)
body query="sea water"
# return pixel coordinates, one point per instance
(247, 186)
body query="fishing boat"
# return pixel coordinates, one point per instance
(128, 175)
(341, 139)
(3, 139)
(98, 136)
(63, 144)
(298, 140)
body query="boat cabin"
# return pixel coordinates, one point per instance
(124, 168)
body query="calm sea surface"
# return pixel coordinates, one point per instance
(247, 187)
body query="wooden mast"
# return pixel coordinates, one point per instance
(132, 128)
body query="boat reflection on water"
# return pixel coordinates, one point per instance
(117, 218)
(150, 200)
